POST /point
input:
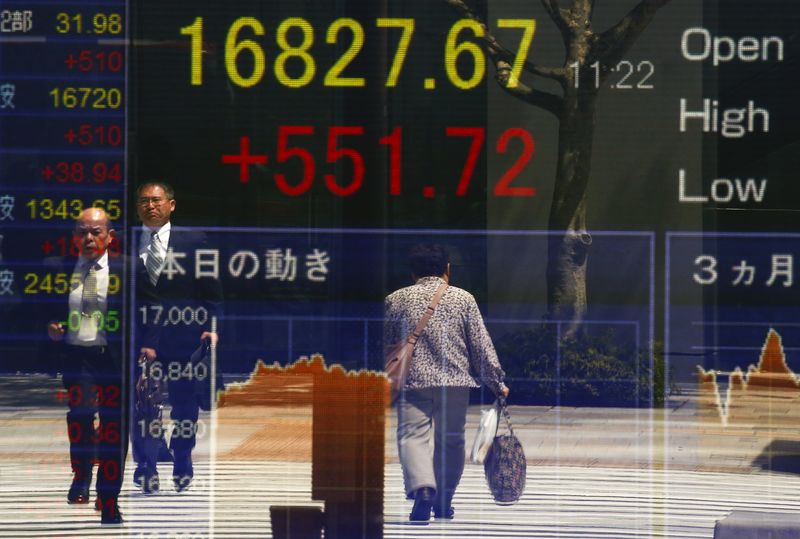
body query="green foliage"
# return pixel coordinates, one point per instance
(590, 369)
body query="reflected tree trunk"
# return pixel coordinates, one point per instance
(568, 247)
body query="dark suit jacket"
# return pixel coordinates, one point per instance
(182, 294)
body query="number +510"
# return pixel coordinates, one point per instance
(349, 32)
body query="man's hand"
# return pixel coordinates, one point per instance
(504, 390)
(148, 353)
(55, 330)
(213, 336)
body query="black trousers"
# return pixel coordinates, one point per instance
(146, 435)
(93, 379)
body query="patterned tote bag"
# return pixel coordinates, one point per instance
(505, 465)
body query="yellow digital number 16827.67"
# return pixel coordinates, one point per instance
(349, 35)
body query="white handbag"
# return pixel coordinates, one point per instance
(487, 430)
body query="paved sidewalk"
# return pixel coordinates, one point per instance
(592, 472)
(676, 437)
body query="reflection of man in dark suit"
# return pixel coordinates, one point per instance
(90, 341)
(174, 313)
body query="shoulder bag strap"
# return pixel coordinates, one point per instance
(412, 339)
(504, 409)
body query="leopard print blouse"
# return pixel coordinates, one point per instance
(455, 348)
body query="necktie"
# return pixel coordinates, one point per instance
(89, 303)
(154, 259)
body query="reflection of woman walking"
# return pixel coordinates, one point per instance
(454, 343)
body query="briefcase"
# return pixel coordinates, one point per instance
(149, 395)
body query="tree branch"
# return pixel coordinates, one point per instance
(612, 44)
(588, 12)
(497, 52)
(544, 100)
(591, 10)
(554, 10)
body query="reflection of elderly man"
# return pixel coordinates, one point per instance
(169, 344)
(92, 370)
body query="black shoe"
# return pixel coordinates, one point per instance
(182, 483)
(423, 502)
(78, 493)
(442, 508)
(150, 482)
(110, 513)
(139, 473)
(448, 514)
(182, 473)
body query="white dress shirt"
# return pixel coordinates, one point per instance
(144, 243)
(84, 329)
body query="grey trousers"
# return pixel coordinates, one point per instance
(439, 413)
